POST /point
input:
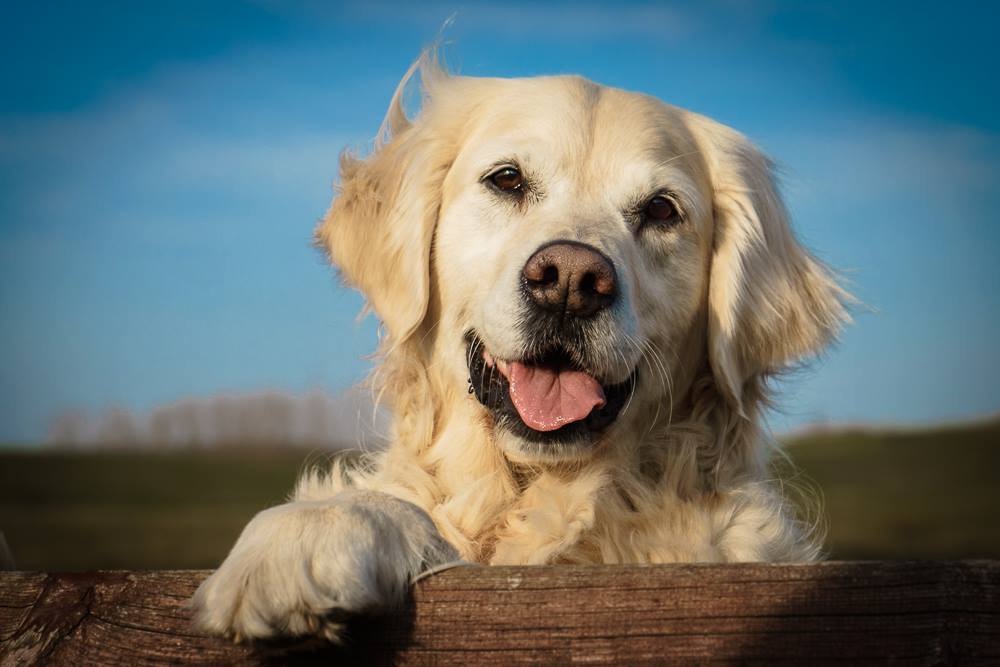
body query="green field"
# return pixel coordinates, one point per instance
(912, 494)
(926, 494)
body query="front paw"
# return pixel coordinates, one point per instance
(304, 567)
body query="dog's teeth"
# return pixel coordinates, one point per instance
(488, 358)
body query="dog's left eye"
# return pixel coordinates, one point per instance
(660, 210)
(508, 179)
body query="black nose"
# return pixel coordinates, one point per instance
(570, 277)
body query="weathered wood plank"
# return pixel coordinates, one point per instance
(924, 613)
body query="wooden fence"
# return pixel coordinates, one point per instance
(910, 612)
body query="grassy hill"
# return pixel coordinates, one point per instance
(135, 508)
(907, 494)
(917, 494)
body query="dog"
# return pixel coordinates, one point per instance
(584, 292)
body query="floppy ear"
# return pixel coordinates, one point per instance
(380, 226)
(770, 302)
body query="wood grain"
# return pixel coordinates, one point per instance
(920, 613)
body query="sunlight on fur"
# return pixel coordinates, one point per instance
(535, 247)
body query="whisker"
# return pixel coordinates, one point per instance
(642, 357)
(669, 380)
(650, 355)
(631, 394)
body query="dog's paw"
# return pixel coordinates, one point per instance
(305, 567)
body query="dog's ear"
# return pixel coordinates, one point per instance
(380, 226)
(770, 302)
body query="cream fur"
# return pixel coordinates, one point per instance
(709, 311)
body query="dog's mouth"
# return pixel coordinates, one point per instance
(546, 398)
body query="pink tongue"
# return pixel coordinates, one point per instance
(548, 399)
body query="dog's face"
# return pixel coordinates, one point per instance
(573, 242)
(575, 255)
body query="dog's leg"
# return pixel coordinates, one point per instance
(755, 523)
(303, 567)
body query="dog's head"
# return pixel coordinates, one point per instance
(566, 251)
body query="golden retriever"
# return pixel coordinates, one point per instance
(584, 292)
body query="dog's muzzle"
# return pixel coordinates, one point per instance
(552, 393)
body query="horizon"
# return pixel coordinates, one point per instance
(315, 418)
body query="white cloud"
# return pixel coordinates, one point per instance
(874, 158)
(293, 161)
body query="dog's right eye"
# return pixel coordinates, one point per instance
(508, 179)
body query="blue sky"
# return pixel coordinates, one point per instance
(162, 166)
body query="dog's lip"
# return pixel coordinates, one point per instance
(503, 365)
(500, 364)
